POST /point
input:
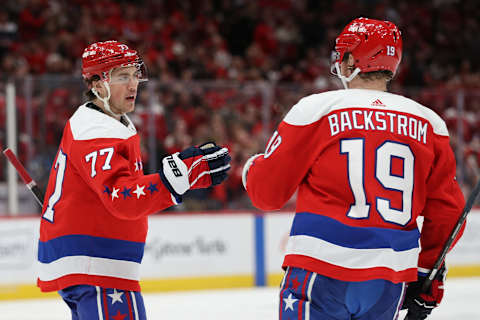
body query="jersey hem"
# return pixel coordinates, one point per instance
(82, 279)
(348, 274)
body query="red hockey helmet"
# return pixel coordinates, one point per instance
(375, 44)
(101, 57)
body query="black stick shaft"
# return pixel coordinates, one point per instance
(468, 206)
(38, 194)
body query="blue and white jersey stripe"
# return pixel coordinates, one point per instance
(84, 245)
(335, 232)
(89, 255)
(331, 241)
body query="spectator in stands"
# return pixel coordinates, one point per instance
(282, 42)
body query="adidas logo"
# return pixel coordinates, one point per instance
(378, 103)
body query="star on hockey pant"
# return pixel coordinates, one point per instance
(295, 283)
(289, 302)
(116, 296)
(119, 316)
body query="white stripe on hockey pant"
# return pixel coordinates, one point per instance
(134, 301)
(284, 277)
(400, 300)
(99, 303)
(211, 171)
(282, 289)
(90, 266)
(309, 296)
(350, 257)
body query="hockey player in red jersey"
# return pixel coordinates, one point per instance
(366, 164)
(94, 221)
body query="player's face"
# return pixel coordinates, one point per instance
(123, 89)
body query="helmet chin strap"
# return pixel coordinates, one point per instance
(344, 79)
(106, 105)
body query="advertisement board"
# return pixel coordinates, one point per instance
(464, 260)
(199, 251)
(198, 245)
(18, 250)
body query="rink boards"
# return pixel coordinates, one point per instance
(198, 251)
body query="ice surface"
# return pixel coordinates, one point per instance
(461, 301)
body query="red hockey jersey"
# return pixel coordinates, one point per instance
(366, 164)
(94, 218)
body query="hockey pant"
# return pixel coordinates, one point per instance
(307, 295)
(95, 303)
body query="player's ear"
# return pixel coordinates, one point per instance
(348, 64)
(351, 61)
(99, 86)
(344, 66)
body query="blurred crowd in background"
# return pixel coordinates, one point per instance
(228, 70)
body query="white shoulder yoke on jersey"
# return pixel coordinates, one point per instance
(311, 108)
(89, 124)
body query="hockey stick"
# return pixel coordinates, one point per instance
(31, 184)
(468, 206)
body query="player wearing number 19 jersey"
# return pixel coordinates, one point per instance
(366, 164)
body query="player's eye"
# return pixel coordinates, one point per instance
(124, 78)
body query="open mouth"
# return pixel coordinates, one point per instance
(130, 98)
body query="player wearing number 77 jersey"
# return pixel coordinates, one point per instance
(366, 164)
(94, 219)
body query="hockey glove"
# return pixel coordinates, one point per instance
(420, 304)
(195, 168)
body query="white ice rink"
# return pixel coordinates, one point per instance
(461, 302)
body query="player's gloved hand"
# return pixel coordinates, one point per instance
(195, 168)
(420, 304)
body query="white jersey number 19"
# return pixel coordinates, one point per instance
(355, 152)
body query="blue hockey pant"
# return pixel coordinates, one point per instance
(307, 295)
(95, 303)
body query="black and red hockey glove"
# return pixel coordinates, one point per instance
(420, 304)
(195, 168)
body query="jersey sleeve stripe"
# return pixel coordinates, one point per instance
(337, 233)
(84, 245)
